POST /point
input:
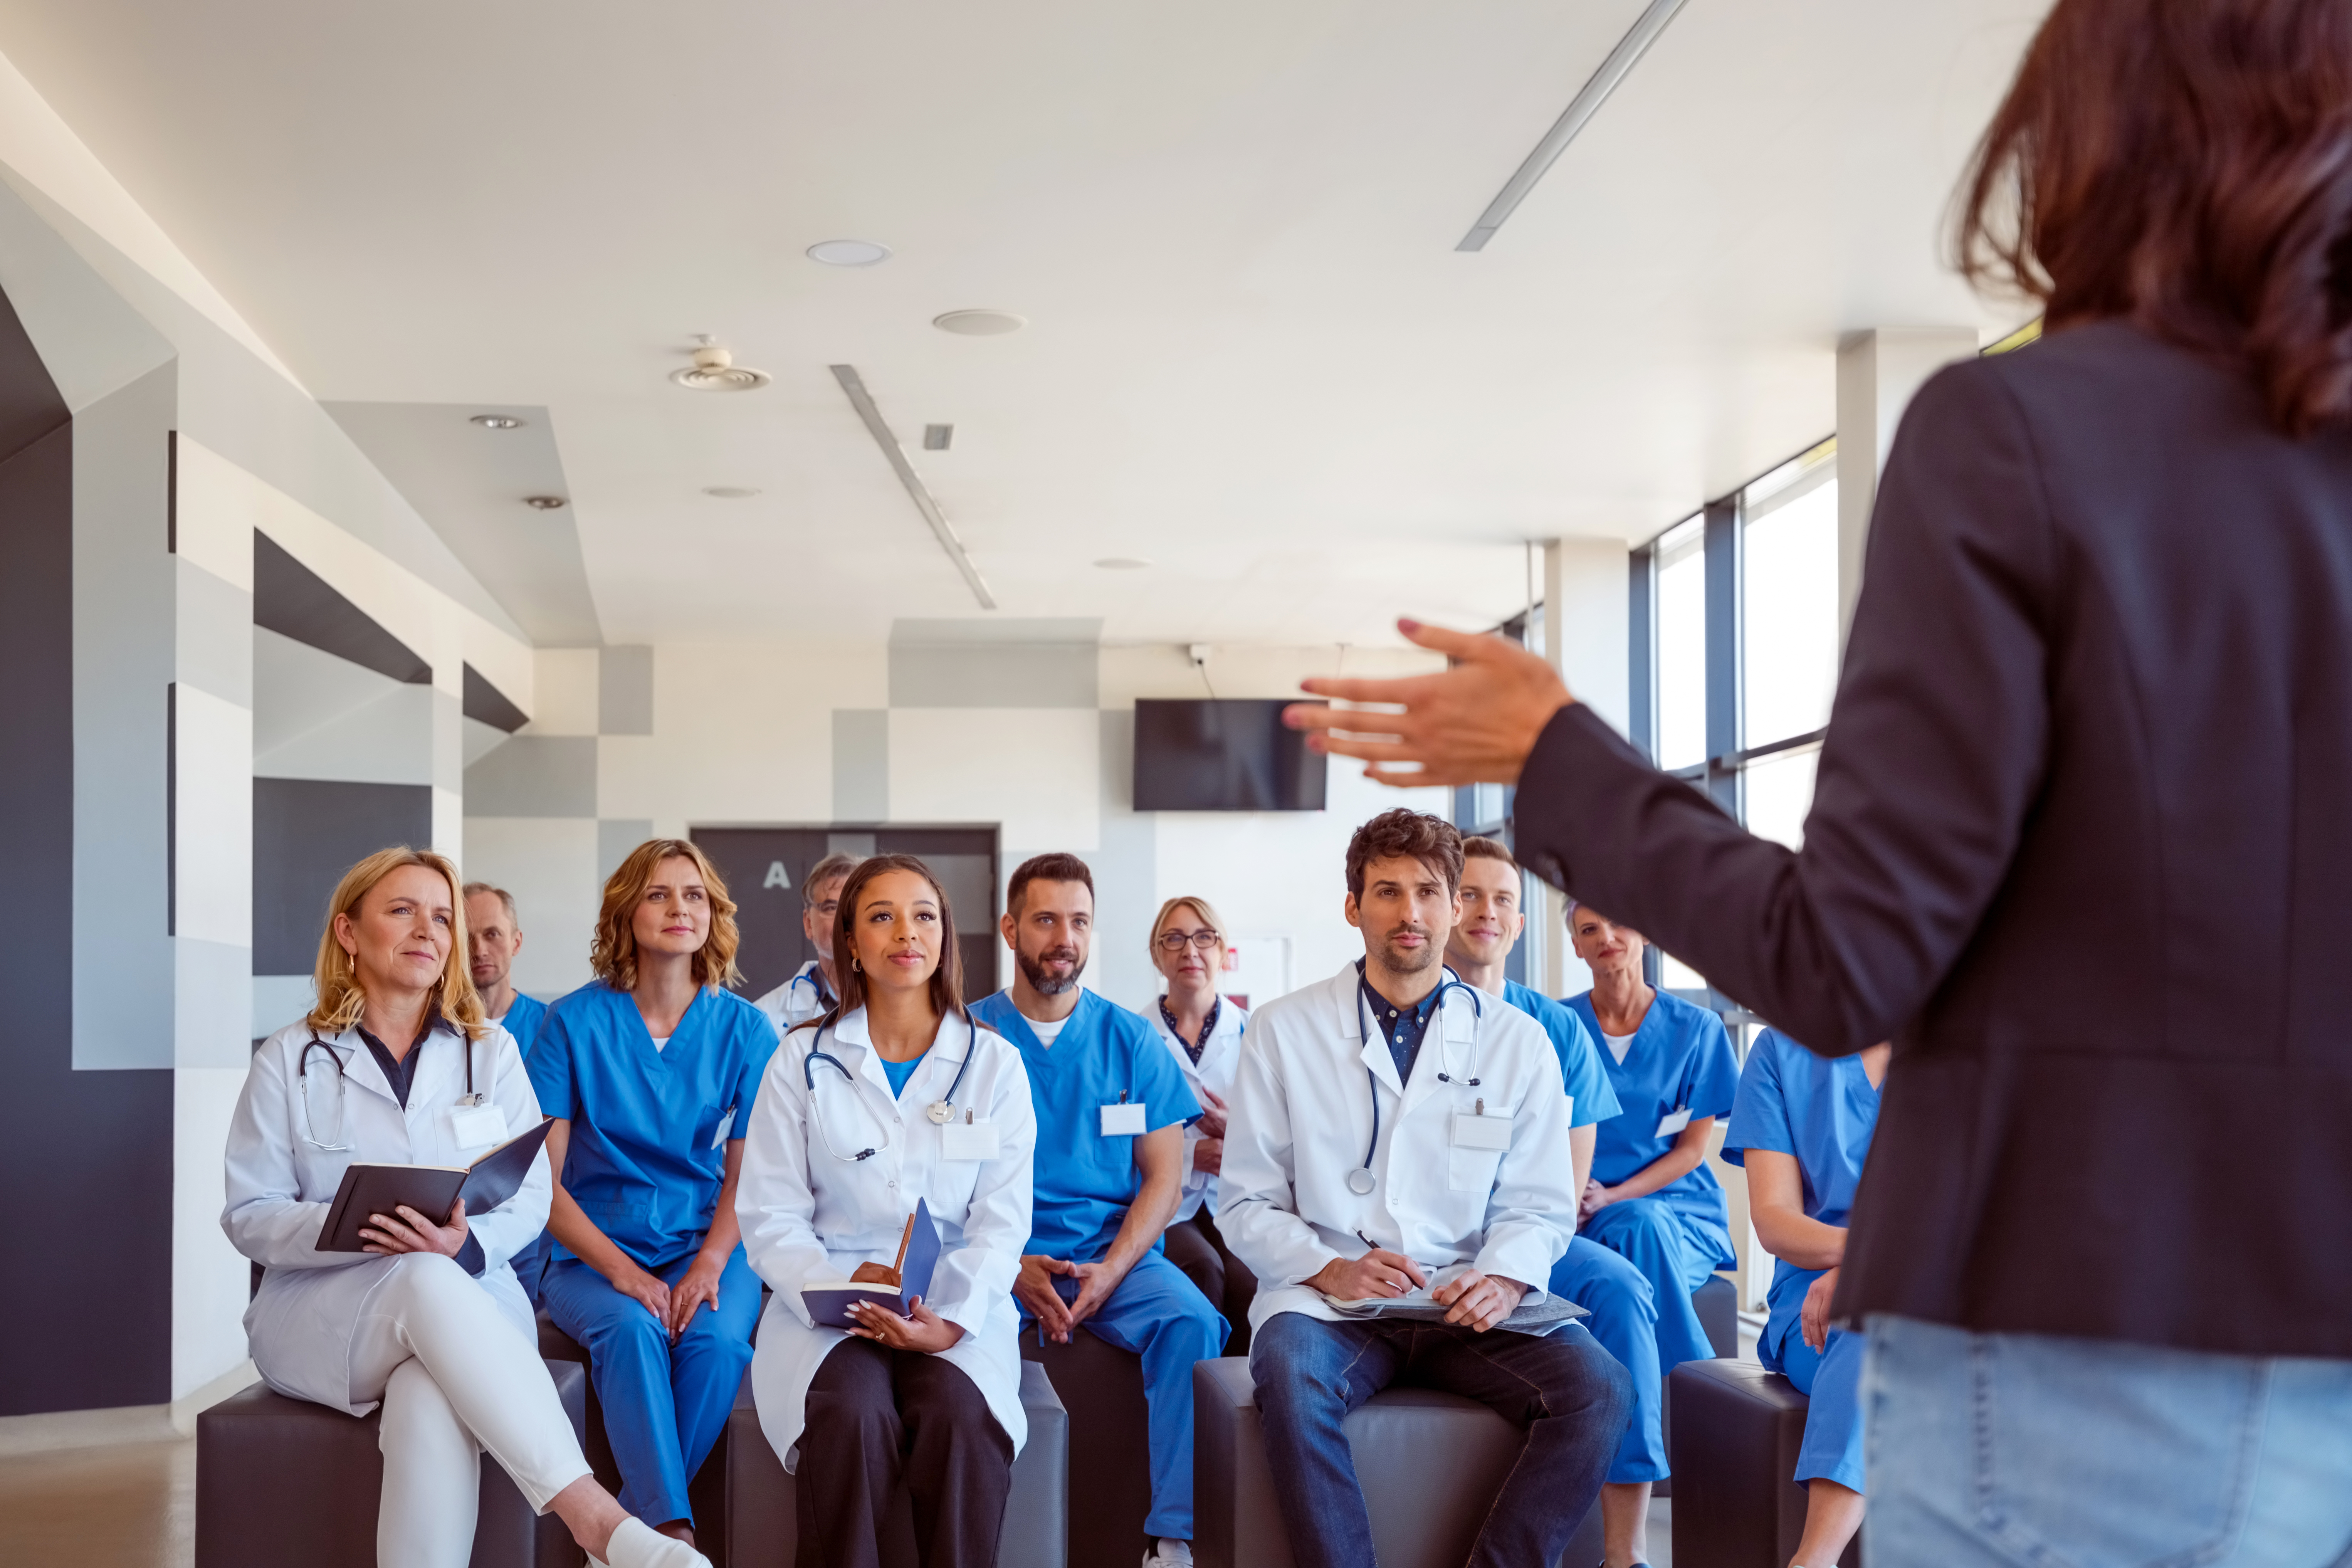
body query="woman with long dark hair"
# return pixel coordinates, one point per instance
(893, 1097)
(2082, 838)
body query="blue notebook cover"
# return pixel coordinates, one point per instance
(828, 1305)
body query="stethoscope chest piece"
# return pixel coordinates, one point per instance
(1360, 1182)
(939, 1113)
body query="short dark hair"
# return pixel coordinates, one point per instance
(1481, 848)
(1432, 840)
(1058, 867)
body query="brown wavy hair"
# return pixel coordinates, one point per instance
(2186, 165)
(336, 977)
(946, 979)
(1400, 834)
(613, 954)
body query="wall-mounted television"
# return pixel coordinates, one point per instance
(1222, 754)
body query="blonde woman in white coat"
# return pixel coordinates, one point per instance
(893, 1097)
(395, 1065)
(1203, 1031)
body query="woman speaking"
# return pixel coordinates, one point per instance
(891, 1098)
(395, 1066)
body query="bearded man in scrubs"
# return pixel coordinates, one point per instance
(1111, 1112)
(1604, 1283)
(492, 939)
(812, 991)
(1802, 1126)
(651, 1070)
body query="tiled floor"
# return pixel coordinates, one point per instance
(129, 1505)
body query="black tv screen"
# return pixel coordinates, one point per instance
(1222, 754)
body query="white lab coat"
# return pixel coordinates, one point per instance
(301, 1325)
(796, 1001)
(809, 1216)
(1302, 1116)
(1221, 1058)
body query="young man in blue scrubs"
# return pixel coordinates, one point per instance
(1111, 1112)
(1623, 1308)
(1801, 1127)
(493, 937)
(1651, 1197)
(651, 1070)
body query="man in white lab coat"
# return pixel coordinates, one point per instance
(812, 990)
(1393, 1134)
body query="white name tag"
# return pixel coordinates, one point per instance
(726, 1127)
(972, 1139)
(477, 1126)
(1670, 1125)
(1481, 1131)
(1122, 1121)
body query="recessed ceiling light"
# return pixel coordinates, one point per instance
(730, 492)
(848, 252)
(543, 503)
(496, 422)
(980, 323)
(1124, 564)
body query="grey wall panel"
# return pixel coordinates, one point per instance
(625, 691)
(85, 1143)
(535, 776)
(294, 601)
(306, 834)
(213, 635)
(488, 704)
(861, 764)
(616, 837)
(448, 742)
(987, 675)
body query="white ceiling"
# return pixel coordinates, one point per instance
(1255, 357)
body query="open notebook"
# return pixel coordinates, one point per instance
(1537, 1317)
(431, 1190)
(828, 1304)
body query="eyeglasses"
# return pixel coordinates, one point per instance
(1174, 941)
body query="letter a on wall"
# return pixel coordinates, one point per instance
(776, 878)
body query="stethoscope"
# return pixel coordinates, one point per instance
(309, 1122)
(1361, 1181)
(939, 1113)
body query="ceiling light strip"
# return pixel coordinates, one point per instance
(1581, 108)
(863, 401)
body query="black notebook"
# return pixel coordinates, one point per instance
(828, 1304)
(430, 1190)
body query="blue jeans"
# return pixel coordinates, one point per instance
(2002, 1449)
(1570, 1396)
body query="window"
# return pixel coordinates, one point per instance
(1680, 574)
(1789, 598)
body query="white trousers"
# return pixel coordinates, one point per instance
(455, 1379)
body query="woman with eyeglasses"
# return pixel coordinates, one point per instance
(396, 1066)
(1203, 1030)
(892, 1098)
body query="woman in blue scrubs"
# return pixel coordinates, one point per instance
(1801, 1127)
(651, 1070)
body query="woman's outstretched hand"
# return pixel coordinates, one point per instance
(1476, 724)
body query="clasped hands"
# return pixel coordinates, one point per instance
(1034, 1288)
(1477, 1300)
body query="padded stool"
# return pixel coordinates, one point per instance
(285, 1483)
(1430, 1465)
(1733, 1444)
(1101, 1386)
(1717, 1306)
(763, 1515)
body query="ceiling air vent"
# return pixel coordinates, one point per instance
(715, 370)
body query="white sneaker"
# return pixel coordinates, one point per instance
(1169, 1552)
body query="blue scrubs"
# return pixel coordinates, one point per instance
(1822, 1114)
(1085, 1181)
(649, 1135)
(523, 1019)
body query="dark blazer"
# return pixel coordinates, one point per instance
(2080, 845)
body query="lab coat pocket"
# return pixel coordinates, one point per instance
(1472, 1170)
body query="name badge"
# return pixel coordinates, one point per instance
(972, 1139)
(1670, 1125)
(1123, 1121)
(1471, 1131)
(477, 1126)
(726, 1127)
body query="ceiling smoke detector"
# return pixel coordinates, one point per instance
(544, 503)
(496, 421)
(980, 323)
(715, 370)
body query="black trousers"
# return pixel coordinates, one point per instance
(1194, 1247)
(876, 1416)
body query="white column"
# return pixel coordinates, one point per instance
(1877, 372)
(1587, 628)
